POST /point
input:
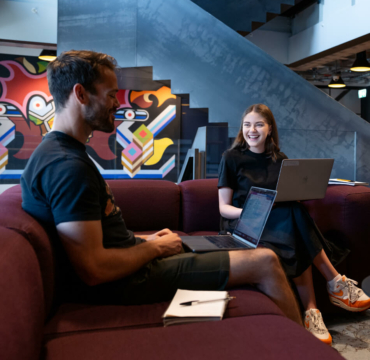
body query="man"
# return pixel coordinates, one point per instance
(62, 188)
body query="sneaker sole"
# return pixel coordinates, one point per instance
(325, 341)
(339, 303)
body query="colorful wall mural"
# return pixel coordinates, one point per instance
(145, 143)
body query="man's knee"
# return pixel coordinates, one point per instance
(252, 266)
(267, 255)
(268, 259)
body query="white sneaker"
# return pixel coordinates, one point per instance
(348, 296)
(314, 323)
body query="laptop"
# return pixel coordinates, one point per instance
(248, 230)
(303, 179)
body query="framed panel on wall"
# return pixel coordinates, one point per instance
(144, 144)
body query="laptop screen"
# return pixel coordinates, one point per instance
(255, 213)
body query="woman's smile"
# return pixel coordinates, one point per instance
(255, 132)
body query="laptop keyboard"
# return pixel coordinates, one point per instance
(226, 241)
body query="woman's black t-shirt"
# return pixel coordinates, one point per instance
(242, 169)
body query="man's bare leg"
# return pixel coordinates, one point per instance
(261, 268)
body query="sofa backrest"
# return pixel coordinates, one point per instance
(21, 300)
(147, 204)
(12, 216)
(199, 205)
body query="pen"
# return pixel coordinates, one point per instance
(195, 302)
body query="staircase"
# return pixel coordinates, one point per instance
(221, 71)
(244, 16)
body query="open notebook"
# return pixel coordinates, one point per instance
(208, 311)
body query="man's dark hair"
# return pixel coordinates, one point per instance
(76, 67)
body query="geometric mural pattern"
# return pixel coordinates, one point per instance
(147, 126)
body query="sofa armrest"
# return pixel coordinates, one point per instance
(21, 300)
(343, 216)
(12, 216)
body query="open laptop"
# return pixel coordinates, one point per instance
(248, 230)
(303, 179)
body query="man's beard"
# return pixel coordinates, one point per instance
(98, 118)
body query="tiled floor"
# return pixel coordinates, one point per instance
(351, 334)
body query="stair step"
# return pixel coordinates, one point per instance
(245, 16)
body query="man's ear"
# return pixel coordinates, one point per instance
(80, 94)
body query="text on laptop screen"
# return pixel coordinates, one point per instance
(254, 215)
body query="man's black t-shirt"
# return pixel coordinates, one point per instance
(61, 184)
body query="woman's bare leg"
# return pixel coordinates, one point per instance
(323, 264)
(304, 285)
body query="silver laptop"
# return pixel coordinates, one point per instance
(303, 179)
(248, 229)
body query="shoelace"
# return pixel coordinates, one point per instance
(317, 322)
(353, 291)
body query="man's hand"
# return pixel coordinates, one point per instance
(169, 244)
(83, 242)
(158, 234)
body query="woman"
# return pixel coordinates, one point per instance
(254, 159)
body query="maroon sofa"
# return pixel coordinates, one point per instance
(31, 327)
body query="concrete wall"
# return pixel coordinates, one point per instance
(316, 29)
(350, 100)
(274, 43)
(221, 71)
(29, 20)
(326, 25)
(13, 50)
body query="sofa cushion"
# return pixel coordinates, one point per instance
(253, 337)
(13, 217)
(157, 202)
(74, 318)
(21, 299)
(200, 205)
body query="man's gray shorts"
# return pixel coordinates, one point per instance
(160, 279)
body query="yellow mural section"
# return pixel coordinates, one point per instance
(29, 66)
(163, 94)
(160, 147)
(51, 122)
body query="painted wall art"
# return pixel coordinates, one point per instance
(144, 145)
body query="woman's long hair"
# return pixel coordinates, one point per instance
(272, 140)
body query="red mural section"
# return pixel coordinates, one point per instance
(144, 143)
